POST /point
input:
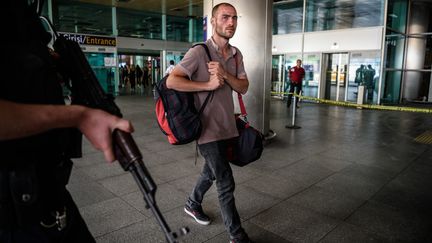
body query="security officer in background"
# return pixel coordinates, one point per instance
(296, 75)
(34, 122)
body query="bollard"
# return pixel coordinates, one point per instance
(293, 103)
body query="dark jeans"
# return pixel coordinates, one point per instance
(217, 168)
(76, 230)
(298, 89)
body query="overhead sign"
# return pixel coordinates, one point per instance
(93, 40)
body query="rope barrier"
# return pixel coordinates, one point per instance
(365, 106)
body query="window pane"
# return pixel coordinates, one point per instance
(391, 88)
(343, 14)
(132, 23)
(177, 28)
(394, 50)
(288, 17)
(68, 17)
(397, 15)
(364, 69)
(311, 64)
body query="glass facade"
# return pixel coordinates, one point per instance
(394, 50)
(364, 69)
(342, 14)
(83, 18)
(288, 17)
(312, 66)
(278, 85)
(139, 24)
(97, 19)
(104, 69)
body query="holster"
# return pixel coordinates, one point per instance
(29, 192)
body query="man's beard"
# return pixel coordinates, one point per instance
(224, 35)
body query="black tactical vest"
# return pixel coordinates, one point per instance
(33, 170)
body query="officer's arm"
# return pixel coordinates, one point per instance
(23, 120)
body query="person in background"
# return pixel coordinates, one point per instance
(296, 75)
(170, 67)
(35, 205)
(222, 75)
(139, 74)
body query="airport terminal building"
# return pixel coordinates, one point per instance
(381, 44)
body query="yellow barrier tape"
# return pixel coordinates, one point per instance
(366, 106)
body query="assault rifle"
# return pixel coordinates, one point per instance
(87, 91)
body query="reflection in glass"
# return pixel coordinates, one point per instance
(311, 64)
(343, 14)
(397, 15)
(278, 84)
(287, 17)
(140, 24)
(394, 50)
(336, 76)
(392, 86)
(68, 16)
(104, 73)
(364, 69)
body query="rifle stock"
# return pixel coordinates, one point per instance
(87, 91)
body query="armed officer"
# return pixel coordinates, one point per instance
(34, 143)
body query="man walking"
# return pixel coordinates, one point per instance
(222, 75)
(296, 75)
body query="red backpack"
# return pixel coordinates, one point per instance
(176, 114)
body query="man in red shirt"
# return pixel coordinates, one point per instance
(296, 75)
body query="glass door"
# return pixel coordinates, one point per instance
(335, 75)
(104, 67)
(278, 76)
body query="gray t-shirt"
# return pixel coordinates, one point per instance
(218, 116)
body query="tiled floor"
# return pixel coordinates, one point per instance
(347, 175)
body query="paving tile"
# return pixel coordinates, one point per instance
(140, 232)
(167, 198)
(121, 184)
(110, 215)
(104, 170)
(275, 186)
(357, 187)
(336, 205)
(89, 193)
(256, 234)
(392, 224)
(305, 173)
(295, 223)
(347, 233)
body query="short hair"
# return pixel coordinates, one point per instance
(216, 7)
(172, 62)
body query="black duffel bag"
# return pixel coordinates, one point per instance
(248, 146)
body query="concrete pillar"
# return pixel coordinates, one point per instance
(253, 37)
(418, 23)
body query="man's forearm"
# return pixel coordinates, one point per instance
(21, 120)
(239, 85)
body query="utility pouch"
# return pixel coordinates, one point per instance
(62, 172)
(73, 148)
(24, 190)
(6, 206)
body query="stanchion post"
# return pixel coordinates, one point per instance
(294, 105)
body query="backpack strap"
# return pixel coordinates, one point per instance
(204, 45)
